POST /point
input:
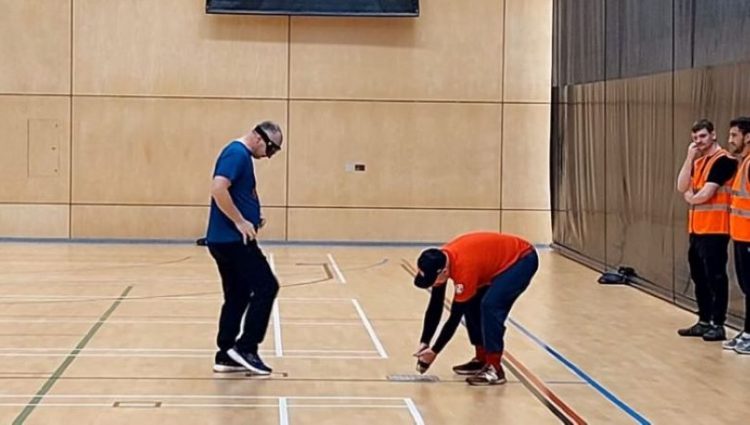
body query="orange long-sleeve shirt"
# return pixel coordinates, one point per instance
(475, 258)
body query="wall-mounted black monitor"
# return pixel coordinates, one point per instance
(316, 7)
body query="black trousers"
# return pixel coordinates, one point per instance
(707, 256)
(249, 285)
(473, 316)
(742, 266)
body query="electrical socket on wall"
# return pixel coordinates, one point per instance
(355, 167)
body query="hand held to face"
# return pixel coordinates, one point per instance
(693, 151)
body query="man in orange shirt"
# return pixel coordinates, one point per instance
(489, 271)
(705, 180)
(739, 224)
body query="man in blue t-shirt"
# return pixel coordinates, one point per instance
(233, 223)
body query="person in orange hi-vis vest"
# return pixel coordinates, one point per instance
(739, 224)
(489, 271)
(705, 181)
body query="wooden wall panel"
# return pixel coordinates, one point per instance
(341, 224)
(35, 143)
(35, 46)
(528, 51)
(155, 222)
(427, 155)
(451, 52)
(434, 107)
(33, 221)
(162, 151)
(526, 160)
(535, 226)
(172, 47)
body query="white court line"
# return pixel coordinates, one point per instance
(167, 350)
(343, 322)
(220, 405)
(105, 297)
(94, 298)
(201, 396)
(414, 411)
(336, 270)
(174, 353)
(334, 351)
(349, 406)
(272, 263)
(313, 323)
(370, 330)
(121, 321)
(178, 401)
(137, 404)
(183, 356)
(313, 300)
(151, 298)
(124, 350)
(278, 348)
(186, 405)
(283, 411)
(58, 297)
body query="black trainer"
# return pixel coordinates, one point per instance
(716, 333)
(251, 361)
(696, 330)
(224, 364)
(472, 367)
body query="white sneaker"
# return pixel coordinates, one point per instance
(743, 345)
(487, 376)
(729, 345)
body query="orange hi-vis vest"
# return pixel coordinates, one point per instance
(711, 217)
(739, 214)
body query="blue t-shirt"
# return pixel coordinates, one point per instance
(236, 164)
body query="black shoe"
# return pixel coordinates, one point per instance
(472, 367)
(697, 329)
(224, 364)
(716, 333)
(251, 361)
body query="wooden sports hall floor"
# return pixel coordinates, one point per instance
(124, 334)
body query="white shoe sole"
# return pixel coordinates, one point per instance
(234, 355)
(487, 383)
(220, 368)
(466, 373)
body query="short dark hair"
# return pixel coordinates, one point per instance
(742, 123)
(702, 124)
(270, 127)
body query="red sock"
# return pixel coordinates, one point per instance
(493, 358)
(480, 355)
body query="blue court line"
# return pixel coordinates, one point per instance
(583, 375)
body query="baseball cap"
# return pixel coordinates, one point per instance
(430, 263)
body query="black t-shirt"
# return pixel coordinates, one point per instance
(722, 170)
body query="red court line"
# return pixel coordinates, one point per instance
(520, 368)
